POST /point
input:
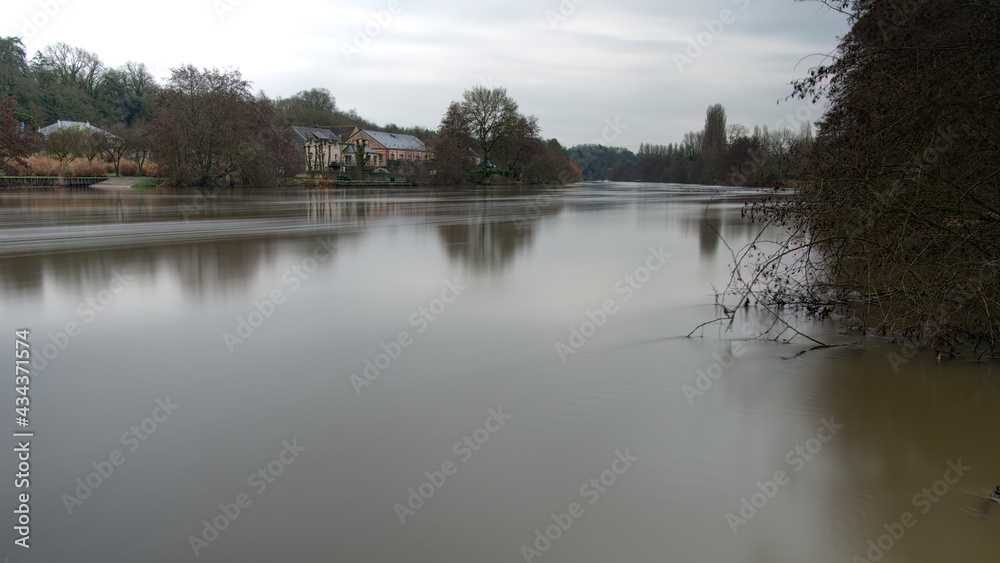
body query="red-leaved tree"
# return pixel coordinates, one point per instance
(15, 144)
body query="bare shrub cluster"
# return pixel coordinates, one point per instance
(44, 164)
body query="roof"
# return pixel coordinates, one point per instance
(342, 131)
(397, 141)
(306, 134)
(352, 150)
(86, 126)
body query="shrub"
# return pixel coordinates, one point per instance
(128, 168)
(44, 164)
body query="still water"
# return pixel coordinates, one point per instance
(459, 376)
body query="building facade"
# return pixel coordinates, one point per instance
(393, 146)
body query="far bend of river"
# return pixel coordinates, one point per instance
(378, 376)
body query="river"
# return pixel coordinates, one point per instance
(469, 375)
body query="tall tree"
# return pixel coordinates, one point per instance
(210, 130)
(117, 146)
(522, 142)
(453, 159)
(129, 93)
(713, 143)
(315, 106)
(492, 116)
(72, 66)
(15, 79)
(13, 65)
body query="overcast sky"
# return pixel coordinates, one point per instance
(579, 65)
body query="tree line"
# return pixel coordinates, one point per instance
(207, 127)
(722, 154)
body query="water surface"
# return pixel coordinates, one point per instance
(360, 347)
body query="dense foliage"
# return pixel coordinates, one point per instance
(900, 218)
(596, 161)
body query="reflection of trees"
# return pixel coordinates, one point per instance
(708, 220)
(484, 245)
(202, 267)
(217, 240)
(715, 220)
(489, 232)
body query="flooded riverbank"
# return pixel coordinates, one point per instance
(462, 375)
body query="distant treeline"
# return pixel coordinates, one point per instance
(206, 127)
(62, 82)
(717, 155)
(596, 161)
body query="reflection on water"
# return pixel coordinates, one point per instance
(323, 286)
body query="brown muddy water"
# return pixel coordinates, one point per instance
(457, 376)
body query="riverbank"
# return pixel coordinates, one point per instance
(49, 181)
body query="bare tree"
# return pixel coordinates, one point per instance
(93, 146)
(734, 132)
(492, 116)
(72, 66)
(138, 142)
(117, 145)
(66, 144)
(211, 130)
